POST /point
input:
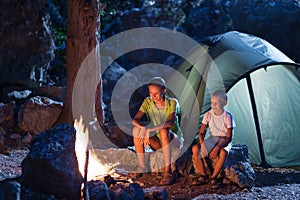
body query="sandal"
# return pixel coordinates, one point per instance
(167, 179)
(214, 183)
(202, 179)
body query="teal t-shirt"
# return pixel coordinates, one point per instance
(158, 116)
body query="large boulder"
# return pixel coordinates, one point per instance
(276, 21)
(27, 43)
(6, 111)
(39, 114)
(237, 167)
(51, 166)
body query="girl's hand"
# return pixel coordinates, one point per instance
(142, 135)
(146, 138)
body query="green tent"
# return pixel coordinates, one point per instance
(264, 94)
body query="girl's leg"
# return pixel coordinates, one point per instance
(155, 143)
(165, 141)
(139, 147)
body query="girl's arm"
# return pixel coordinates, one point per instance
(136, 119)
(168, 124)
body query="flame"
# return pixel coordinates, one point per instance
(82, 145)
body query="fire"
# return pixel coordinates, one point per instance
(95, 168)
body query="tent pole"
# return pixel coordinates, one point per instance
(257, 126)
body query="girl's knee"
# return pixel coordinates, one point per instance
(164, 134)
(135, 131)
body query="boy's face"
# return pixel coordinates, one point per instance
(217, 104)
(156, 93)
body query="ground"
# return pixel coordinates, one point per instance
(270, 183)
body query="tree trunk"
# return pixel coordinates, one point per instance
(83, 35)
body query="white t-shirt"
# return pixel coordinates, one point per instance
(218, 125)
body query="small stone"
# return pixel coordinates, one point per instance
(2, 131)
(15, 136)
(27, 139)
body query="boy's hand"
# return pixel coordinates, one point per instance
(215, 152)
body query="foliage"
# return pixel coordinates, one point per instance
(110, 9)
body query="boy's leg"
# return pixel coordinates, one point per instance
(198, 162)
(220, 162)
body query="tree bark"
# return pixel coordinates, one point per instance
(83, 35)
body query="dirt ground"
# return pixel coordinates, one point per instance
(284, 178)
(270, 183)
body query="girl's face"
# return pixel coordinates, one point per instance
(217, 104)
(156, 93)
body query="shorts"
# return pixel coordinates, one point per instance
(210, 142)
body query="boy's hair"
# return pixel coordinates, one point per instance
(221, 94)
(158, 81)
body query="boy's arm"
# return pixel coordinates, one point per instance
(226, 141)
(202, 132)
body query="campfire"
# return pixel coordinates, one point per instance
(89, 167)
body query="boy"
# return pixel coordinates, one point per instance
(217, 146)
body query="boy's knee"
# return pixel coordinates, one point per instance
(223, 153)
(195, 149)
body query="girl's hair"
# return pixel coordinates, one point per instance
(158, 81)
(221, 94)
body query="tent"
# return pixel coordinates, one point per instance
(263, 89)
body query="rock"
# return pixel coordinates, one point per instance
(56, 93)
(2, 131)
(119, 159)
(27, 139)
(118, 136)
(15, 136)
(267, 19)
(211, 17)
(158, 193)
(27, 43)
(98, 190)
(6, 111)
(2, 141)
(12, 191)
(130, 191)
(38, 114)
(51, 166)
(19, 94)
(237, 167)
(156, 160)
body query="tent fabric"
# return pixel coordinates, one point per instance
(263, 89)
